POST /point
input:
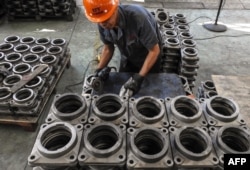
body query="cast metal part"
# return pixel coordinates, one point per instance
(148, 148)
(69, 107)
(21, 68)
(5, 94)
(109, 107)
(38, 49)
(179, 16)
(147, 111)
(220, 111)
(31, 59)
(161, 16)
(22, 48)
(104, 147)
(230, 139)
(58, 42)
(192, 148)
(57, 145)
(28, 40)
(188, 43)
(2, 55)
(12, 39)
(6, 47)
(10, 80)
(183, 111)
(42, 41)
(13, 57)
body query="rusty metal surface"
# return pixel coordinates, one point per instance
(237, 88)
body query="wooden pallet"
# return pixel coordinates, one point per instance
(237, 88)
(30, 123)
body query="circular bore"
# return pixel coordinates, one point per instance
(190, 52)
(188, 43)
(27, 40)
(233, 139)
(38, 49)
(186, 35)
(30, 58)
(48, 59)
(149, 144)
(172, 41)
(182, 28)
(5, 47)
(208, 85)
(108, 106)
(148, 109)
(69, 106)
(185, 109)
(162, 17)
(23, 95)
(179, 16)
(42, 41)
(2, 55)
(103, 140)
(21, 68)
(44, 72)
(168, 26)
(13, 57)
(7, 65)
(21, 48)
(12, 79)
(211, 93)
(193, 142)
(58, 41)
(222, 108)
(4, 93)
(181, 21)
(170, 33)
(35, 82)
(12, 39)
(56, 139)
(54, 50)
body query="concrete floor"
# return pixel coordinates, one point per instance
(218, 56)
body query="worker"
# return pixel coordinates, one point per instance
(134, 31)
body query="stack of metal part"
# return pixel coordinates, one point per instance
(179, 53)
(111, 132)
(20, 57)
(37, 9)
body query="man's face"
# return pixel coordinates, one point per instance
(110, 23)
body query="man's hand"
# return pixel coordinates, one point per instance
(134, 83)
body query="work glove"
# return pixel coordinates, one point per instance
(134, 83)
(97, 71)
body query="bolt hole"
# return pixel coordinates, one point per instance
(87, 126)
(124, 120)
(72, 157)
(82, 156)
(169, 162)
(83, 120)
(131, 161)
(133, 122)
(178, 160)
(173, 122)
(165, 123)
(215, 159)
(49, 119)
(242, 121)
(79, 126)
(204, 122)
(131, 130)
(168, 99)
(171, 129)
(164, 130)
(211, 122)
(121, 156)
(32, 157)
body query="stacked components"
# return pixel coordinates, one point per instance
(38, 9)
(113, 132)
(29, 68)
(179, 53)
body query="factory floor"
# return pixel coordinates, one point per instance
(224, 53)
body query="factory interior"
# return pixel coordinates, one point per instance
(186, 117)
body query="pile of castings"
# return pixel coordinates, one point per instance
(20, 58)
(112, 132)
(38, 9)
(179, 53)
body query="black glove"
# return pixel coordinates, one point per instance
(134, 83)
(97, 71)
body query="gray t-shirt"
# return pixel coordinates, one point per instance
(137, 33)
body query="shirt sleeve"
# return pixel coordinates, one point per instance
(147, 34)
(102, 35)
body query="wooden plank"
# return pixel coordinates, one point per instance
(237, 88)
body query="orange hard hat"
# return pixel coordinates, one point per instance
(100, 10)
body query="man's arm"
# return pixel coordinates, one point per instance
(107, 54)
(150, 60)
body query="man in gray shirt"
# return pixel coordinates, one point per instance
(134, 31)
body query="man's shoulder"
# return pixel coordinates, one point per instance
(133, 7)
